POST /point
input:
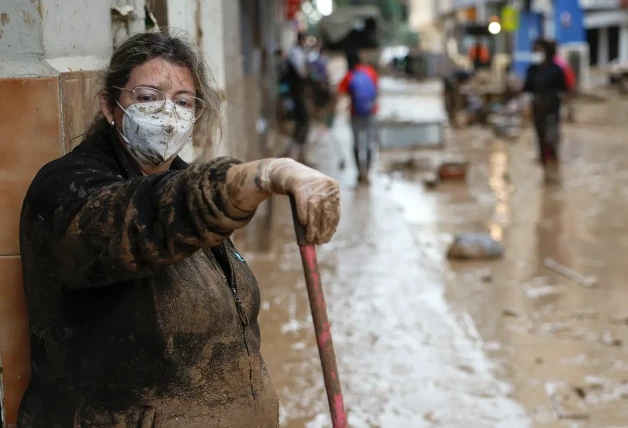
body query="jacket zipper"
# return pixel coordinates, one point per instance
(244, 320)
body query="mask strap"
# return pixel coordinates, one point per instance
(121, 108)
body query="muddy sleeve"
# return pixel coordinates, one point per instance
(104, 229)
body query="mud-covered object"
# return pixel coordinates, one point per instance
(475, 246)
(142, 314)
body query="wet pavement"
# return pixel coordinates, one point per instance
(422, 341)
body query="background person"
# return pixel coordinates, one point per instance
(545, 80)
(298, 76)
(361, 83)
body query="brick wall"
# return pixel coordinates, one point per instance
(42, 114)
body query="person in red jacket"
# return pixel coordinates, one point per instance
(361, 83)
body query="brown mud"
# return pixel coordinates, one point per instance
(422, 341)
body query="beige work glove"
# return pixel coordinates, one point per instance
(317, 196)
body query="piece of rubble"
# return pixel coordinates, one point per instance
(610, 340)
(586, 314)
(620, 318)
(430, 180)
(595, 382)
(560, 402)
(486, 275)
(537, 293)
(453, 170)
(580, 392)
(510, 313)
(468, 246)
(583, 281)
(429, 417)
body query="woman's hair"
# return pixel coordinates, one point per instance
(173, 46)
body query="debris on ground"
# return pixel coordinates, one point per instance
(468, 246)
(580, 392)
(595, 382)
(586, 282)
(609, 340)
(410, 164)
(557, 327)
(486, 275)
(586, 314)
(564, 408)
(429, 417)
(620, 318)
(453, 170)
(544, 291)
(510, 313)
(430, 180)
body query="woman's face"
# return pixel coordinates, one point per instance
(171, 79)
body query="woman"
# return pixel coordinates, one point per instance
(142, 312)
(546, 81)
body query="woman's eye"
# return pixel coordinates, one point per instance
(145, 98)
(185, 103)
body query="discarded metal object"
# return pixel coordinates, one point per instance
(468, 246)
(321, 323)
(586, 282)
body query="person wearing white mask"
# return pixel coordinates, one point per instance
(546, 82)
(142, 313)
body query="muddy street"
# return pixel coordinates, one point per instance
(422, 341)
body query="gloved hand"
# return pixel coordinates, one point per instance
(317, 196)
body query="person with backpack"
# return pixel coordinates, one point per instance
(361, 84)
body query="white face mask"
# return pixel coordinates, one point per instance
(156, 138)
(538, 57)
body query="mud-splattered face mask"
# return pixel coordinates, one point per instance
(156, 138)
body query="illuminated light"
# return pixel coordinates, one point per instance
(494, 27)
(307, 8)
(325, 7)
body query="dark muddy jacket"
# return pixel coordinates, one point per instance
(142, 314)
(547, 83)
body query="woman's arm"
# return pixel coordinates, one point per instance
(100, 228)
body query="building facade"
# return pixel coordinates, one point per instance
(606, 26)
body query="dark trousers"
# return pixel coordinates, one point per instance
(363, 140)
(301, 120)
(547, 126)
